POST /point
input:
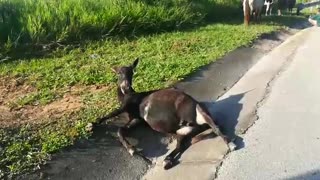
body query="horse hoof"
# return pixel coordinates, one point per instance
(232, 146)
(167, 164)
(131, 151)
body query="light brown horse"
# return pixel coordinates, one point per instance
(252, 7)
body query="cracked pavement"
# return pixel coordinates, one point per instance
(285, 140)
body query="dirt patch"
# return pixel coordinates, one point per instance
(11, 89)
(50, 112)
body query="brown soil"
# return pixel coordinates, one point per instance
(11, 89)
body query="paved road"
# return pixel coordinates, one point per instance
(102, 156)
(285, 141)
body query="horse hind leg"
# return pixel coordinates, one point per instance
(259, 14)
(204, 118)
(269, 9)
(203, 134)
(184, 134)
(246, 12)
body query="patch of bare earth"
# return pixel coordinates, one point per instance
(11, 89)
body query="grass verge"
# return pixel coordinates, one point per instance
(165, 59)
(38, 21)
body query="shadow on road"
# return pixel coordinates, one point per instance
(226, 113)
(310, 175)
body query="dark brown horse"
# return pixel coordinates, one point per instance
(285, 5)
(169, 111)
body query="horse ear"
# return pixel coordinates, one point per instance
(135, 63)
(115, 69)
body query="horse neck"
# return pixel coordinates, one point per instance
(121, 94)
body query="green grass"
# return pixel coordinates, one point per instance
(165, 59)
(39, 21)
(309, 11)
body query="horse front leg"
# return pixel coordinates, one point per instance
(122, 131)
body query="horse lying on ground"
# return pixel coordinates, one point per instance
(169, 111)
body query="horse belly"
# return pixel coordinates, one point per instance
(258, 4)
(162, 126)
(160, 117)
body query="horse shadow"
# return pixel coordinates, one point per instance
(148, 142)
